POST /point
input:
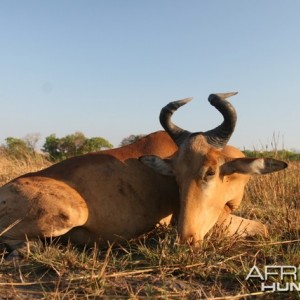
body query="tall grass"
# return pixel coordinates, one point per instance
(156, 266)
(11, 167)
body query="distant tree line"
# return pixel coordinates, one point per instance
(55, 148)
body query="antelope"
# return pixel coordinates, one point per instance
(113, 195)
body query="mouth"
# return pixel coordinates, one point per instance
(230, 207)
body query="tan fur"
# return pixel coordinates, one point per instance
(203, 198)
(104, 196)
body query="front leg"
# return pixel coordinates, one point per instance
(237, 225)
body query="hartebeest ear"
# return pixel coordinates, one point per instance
(252, 166)
(159, 165)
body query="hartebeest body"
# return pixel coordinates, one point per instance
(107, 195)
(111, 195)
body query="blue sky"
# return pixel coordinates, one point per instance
(106, 68)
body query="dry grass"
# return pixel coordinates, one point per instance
(11, 167)
(156, 266)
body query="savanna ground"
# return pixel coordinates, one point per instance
(156, 266)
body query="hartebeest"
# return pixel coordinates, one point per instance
(210, 175)
(111, 195)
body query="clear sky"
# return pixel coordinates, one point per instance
(106, 68)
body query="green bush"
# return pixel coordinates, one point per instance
(72, 145)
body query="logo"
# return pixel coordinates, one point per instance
(276, 278)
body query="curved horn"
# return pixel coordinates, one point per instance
(219, 136)
(176, 133)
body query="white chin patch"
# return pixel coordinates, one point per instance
(257, 166)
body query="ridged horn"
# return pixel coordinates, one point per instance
(219, 136)
(176, 133)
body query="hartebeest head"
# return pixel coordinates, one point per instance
(209, 177)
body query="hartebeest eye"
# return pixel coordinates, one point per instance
(210, 172)
(207, 174)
